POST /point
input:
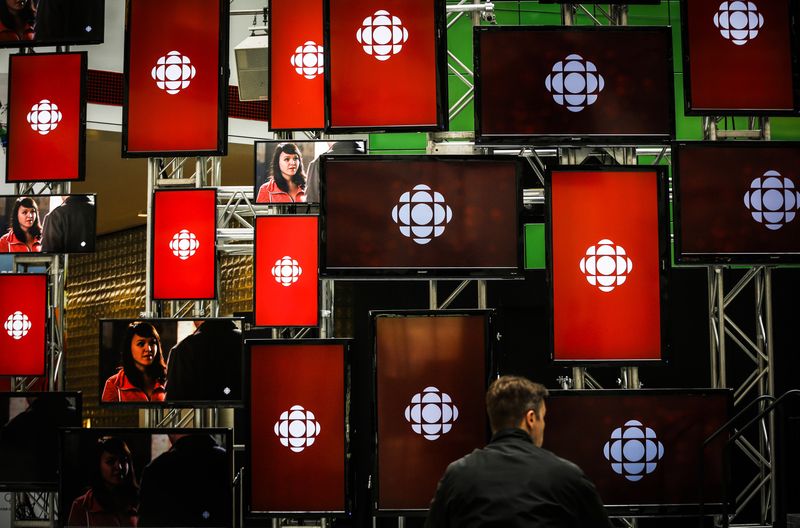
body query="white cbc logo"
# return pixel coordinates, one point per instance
(382, 35)
(574, 83)
(422, 214)
(297, 428)
(17, 325)
(173, 72)
(606, 265)
(44, 117)
(431, 413)
(772, 200)
(738, 22)
(286, 271)
(308, 60)
(184, 244)
(634, 450)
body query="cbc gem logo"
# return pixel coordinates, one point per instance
(184, 244)
(382, 35)
(422, 214)
(634, 450)
(738, 22)
(772, 200)
(431, 413)
(44, 117)
(574, 83)
(17, 325)
(286, 271)
(606, 265)
(308, 60)
(297, 428)
(173, 72)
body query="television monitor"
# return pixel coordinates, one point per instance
(176, 89)
(58, 223)
(184, 244)
(547, 84)
(607, 263)
(371, 54)
(23, 316)
(301, 157)
(421, 216)
(738, 57)
(297, 66)
(56, 23)
(297, 444)
(29, 423)
(46, 117)
(191, 362)
(431, 373)
(286, 273)
(736, 202)
(643, 449)
(184, 476)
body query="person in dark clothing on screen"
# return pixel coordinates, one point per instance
(70, 227)
(513, 482)
(312, 177)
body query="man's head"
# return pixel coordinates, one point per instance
(516, 402)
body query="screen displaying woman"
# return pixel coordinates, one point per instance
(25, 233)
(143, 374)
(287, 181)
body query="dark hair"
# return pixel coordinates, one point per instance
(127, 493)
(27, 14)
(509, 399)
(23, 201)
(157, 369)
(299, 177)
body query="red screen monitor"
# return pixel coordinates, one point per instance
(607, 263)
(176, 90)
(736, 202)
(184, 244)
(23, 317)
(431, 372)
(573, 84)
(55, 23)
(48, 223)
(643, 449)
(738, 57)
(296, 447)
(386, 65)
(297, 65)
(421, 216)
(286, 270)
(46, 117)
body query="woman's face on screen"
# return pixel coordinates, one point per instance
(289, 163)
(26, 216)
(113, 468)
(143, 350)
(15, 5)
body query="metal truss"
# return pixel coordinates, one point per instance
(615, 15)
(33, 509)
(715, 128)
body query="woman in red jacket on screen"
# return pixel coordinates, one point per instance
(25, 233)
(287, 177)
(16, 20)
(143, 373)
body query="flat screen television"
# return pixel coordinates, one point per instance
(607, 263)
(736, 202)
(55, 23)
(192, 362)
(565, 85)
(298, 160)
(297, 442)
(23, 323)
(29, 423)
(48, 223)
(738, 57)
(162, 477)
(431, 373)
(421, 216)
(643, 449)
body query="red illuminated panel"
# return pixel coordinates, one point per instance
(47, 117)
(374, 50)
(297, 436)
(177, 75)
(436, 359)
(739, 58)
(286, 279)
(296, 73)
(604, 265)
(23, 324)
(184, 244)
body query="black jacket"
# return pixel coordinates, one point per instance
(512, 483)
